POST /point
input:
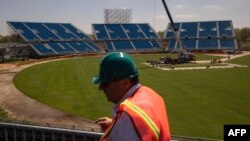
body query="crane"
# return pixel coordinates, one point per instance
(184, 56)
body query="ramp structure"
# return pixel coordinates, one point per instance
(209, 35)
(54, 38)
(129, 37)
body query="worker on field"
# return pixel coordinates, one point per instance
(139, 113)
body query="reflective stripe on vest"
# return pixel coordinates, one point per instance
(149, 122)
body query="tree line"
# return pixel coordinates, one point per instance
(11, 38)
(243, 37)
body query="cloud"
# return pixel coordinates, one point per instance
(125, 8)
(186, 17)
(180, 6)
(213, 7)
(161, 17)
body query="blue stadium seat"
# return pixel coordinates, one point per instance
(150, 33)
(134, 32)
(226, 32)
(41, 31)
(225, 28)
(203, 35)
(23, 30)
(169, 32)
(61, 31)
(61, 48)
(81, 47)
(115, 31)
(100, 32)
(208, 44)
(75, 31)
(126, 36)
(109, 45)
(208, 30)
(41, 49)
(172, 44)
(189, 29)
(123, 45)
(92, 46)
(189, 43)
(227, 44)
(54, 38)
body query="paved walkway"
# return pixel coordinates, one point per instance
(244, 53)
(24, 108)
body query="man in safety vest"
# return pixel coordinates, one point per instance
(139, 113)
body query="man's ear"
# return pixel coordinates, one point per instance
(126, 83)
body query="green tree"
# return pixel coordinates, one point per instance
(161, 33)
(237, 36)
(244, 34)
(242, 37)
(11, 38)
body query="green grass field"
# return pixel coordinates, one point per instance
(199, 102)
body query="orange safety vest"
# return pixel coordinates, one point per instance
(147, 111)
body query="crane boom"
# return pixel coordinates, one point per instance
(183, 51)
(169, 15)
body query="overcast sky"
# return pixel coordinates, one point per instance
(82, 13)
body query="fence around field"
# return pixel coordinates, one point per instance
(22, 132)
(185, 138)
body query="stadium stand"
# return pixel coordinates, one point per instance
(54, 38)
(209, 35)
(127, 37)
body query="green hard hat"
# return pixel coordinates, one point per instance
(115, 66)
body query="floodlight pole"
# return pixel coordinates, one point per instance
(182, 48)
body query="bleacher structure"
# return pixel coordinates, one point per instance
(209, 35)
(48, 39)
(127, 37)
(54, 38)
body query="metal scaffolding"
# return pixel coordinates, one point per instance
(118, 15)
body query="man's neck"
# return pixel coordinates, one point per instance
(128, 94)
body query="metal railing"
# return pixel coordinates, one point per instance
(185, 138)
(20, 132)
